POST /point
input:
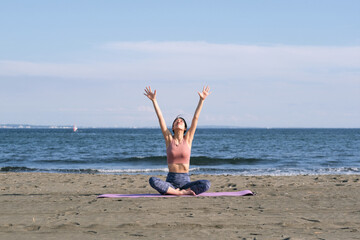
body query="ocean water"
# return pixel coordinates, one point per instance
(214, 151)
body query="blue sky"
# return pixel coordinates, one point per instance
(268, 63)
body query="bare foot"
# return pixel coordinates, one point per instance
(187, 192)
(172, 191)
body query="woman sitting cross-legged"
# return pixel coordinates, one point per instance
(178, 150)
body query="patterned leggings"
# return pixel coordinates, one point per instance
(179, 180)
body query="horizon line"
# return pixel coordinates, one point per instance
(37, 126)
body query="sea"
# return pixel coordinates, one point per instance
(216, 151)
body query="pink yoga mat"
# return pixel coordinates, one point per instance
(206, 194)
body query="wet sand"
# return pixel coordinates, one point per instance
(64, 206)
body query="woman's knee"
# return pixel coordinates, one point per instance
(200, 186)
(206, 184)
(153, 181)
(159, 185)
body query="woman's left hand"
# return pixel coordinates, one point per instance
(205, 92)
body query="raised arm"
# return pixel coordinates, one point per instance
(165, 131)
(191, 132)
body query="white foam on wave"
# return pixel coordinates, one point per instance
(242, 172)
(141, 170)
(133, 170)
(295, 172)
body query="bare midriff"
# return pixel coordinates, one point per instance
(178, 167)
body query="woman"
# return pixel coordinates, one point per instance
(178, 150)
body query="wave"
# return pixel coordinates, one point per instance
(17, 169)
(124, 171)
(26, 169)
(282, 171)
(203, 160)
(196, 160)
(197, 170)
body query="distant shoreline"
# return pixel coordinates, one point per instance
(29, 126)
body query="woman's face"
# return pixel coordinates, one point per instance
(179, 124)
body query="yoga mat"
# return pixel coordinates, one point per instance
(206, 194)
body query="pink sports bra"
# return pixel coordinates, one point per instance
(178, 154)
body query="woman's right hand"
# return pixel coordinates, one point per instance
(151, 95)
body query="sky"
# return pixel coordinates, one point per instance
(268, 63)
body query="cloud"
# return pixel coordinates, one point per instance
(203, 61)
(265, 85)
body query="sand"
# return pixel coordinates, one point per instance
(64, 206)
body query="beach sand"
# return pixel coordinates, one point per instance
(64, 206)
